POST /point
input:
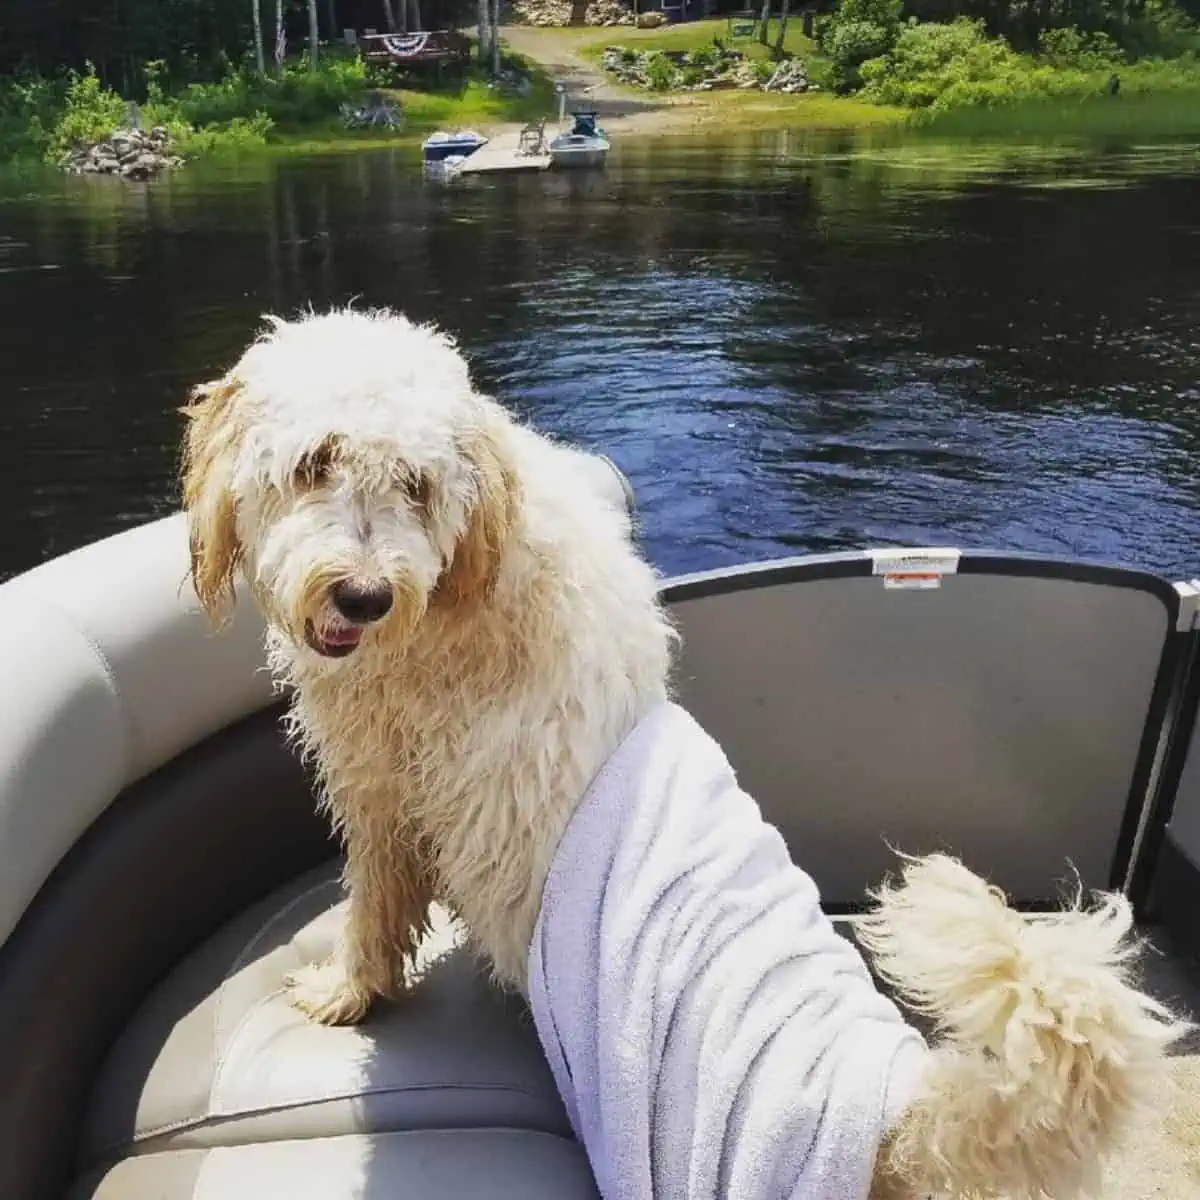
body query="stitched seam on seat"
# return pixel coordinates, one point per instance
(378, 1090)
(219, 1056)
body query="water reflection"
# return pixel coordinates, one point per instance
(808, 342)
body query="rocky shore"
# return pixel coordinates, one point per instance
(130, 153)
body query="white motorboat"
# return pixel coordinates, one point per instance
(583, 145)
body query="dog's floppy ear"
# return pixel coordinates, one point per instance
(210, 443)
(471, 573)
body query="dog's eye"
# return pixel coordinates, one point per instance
(315, 466)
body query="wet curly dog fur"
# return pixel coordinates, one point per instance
(468, 633)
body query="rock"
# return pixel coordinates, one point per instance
(559, 12)
(651, 20)
(130, 153)
(789, 76)
(713, 68)
(512, 83)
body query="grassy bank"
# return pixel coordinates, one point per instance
(1151, 114)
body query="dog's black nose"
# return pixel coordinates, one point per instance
(361, 602)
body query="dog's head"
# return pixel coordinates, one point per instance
(348, 466)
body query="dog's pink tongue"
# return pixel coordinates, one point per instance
(341, 635)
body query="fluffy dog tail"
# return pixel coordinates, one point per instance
(1045, 1053)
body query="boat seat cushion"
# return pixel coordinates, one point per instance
(217, 1057)
(457, 1164)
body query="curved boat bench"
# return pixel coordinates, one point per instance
(163, 866)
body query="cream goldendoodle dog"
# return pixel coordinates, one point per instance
(470, 637)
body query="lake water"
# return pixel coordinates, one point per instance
(801, 343)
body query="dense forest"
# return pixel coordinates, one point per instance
(196, 39)
(201, 39)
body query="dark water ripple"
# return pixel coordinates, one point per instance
(798, 345)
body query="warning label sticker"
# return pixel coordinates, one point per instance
(914, 569)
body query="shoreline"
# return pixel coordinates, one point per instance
(572, 56)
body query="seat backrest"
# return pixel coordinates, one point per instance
(1001, 708)
(111, 670)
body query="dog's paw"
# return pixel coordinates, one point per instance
(325, 994)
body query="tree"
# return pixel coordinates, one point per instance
(314, 35)
(764, 22)
(783, 20)
(484, 20)
(258, 46)
(496, 37)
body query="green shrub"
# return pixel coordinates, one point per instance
(660, 72)
(90, 113)
(849, 44)
(1159, 29)
(242, 133)
(1071, 47)
(296, 97)
(29, 109)
(858, 31)
(763, 68)
(939, 67)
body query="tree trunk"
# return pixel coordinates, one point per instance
(764, 22)
(389, 17)
(496, 37)
(335, 33)
(259, 61)
(414, 16)
(783, 19)
(314, 35)
(278, 30)
(485, 31)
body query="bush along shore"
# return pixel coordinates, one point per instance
(879, 52)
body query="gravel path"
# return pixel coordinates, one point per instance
(556, 50)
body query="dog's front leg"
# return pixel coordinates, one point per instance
(389, 891)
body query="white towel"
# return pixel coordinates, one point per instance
(710, 1032)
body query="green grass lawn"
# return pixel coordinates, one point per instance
(689, 36)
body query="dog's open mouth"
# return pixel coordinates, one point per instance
(335, 638)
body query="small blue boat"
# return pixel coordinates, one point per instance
(441, 145)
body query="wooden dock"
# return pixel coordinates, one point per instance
(503, 154)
